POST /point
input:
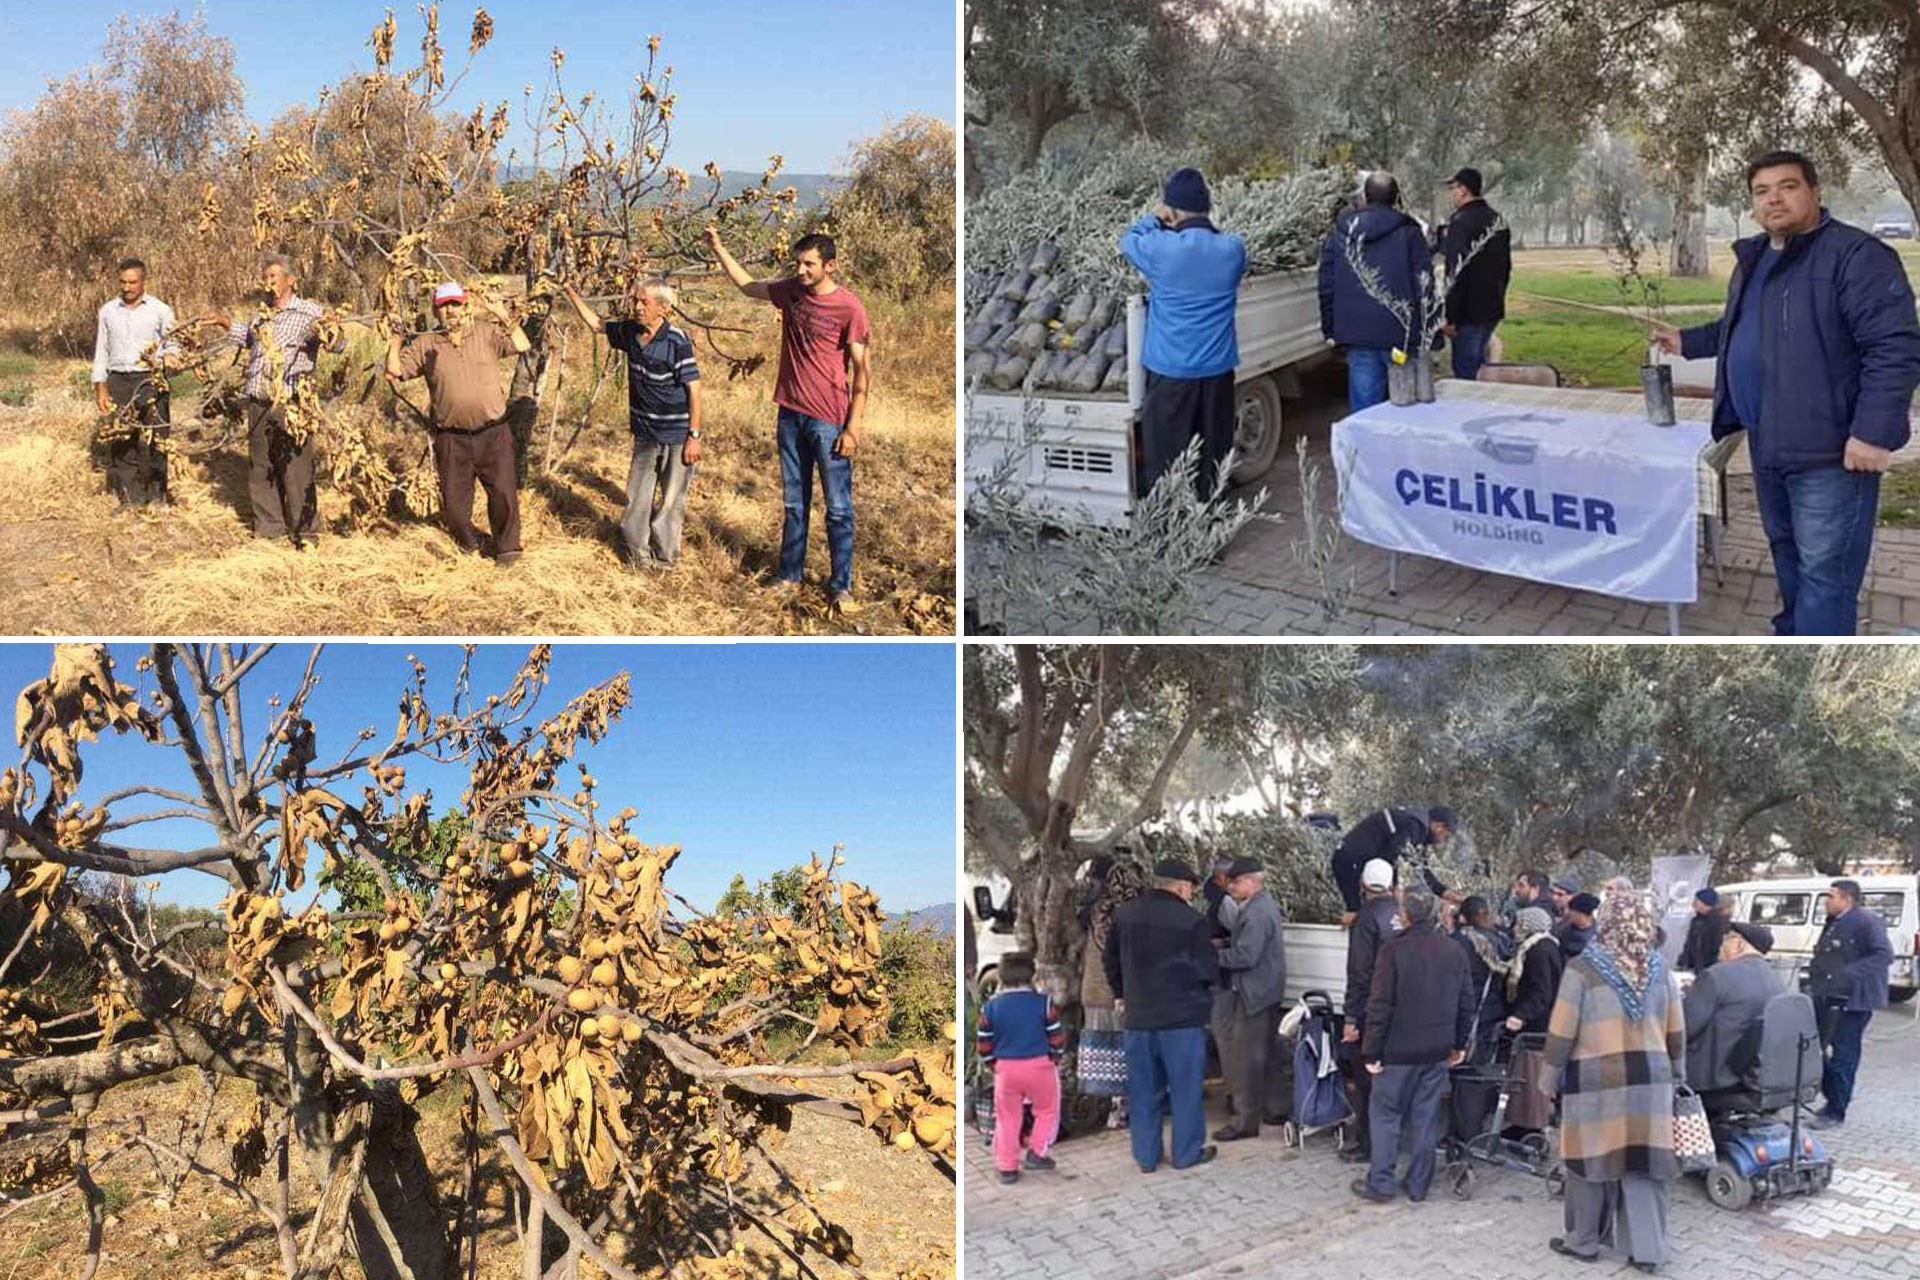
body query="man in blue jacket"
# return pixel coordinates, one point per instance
(1395, 247)
(1819, 356)
(1193, 271)
(1848, 981)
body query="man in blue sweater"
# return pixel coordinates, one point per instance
(1392, 244)
(1848, 981)
(1193, 271)
(1819, 356)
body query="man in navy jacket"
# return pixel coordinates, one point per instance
(1819, 356)
(1394, 246)
(1192, 349)
(1848, 981)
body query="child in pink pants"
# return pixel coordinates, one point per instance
(1020, 1034)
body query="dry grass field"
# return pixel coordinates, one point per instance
(72, 562)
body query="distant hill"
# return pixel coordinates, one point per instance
(936, 919)
(814, 188)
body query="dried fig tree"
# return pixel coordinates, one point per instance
(606, 1036)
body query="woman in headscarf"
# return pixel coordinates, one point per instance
(1533, 978)
(1101, 1058)
(1488, 958)
(1616, 1050)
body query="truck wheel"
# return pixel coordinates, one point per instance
(1257, 430)
(1727, 1188)
(1899, 995)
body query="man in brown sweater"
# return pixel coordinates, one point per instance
(467, 412)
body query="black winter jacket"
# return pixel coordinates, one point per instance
(1378, 921)
(1160, 959)
(1539, 986)
(1421, 1006)
(1392, 244)
(1479, 294)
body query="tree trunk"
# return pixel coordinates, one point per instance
(1047, 909)
(410, 1221)
(1690, 223)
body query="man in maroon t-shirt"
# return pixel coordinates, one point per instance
(822, 395)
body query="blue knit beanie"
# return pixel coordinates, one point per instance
(1709, 896)
(1187, 190)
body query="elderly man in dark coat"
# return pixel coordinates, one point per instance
(1161, 965)
(1253, 970)
(1419, 1019)
(1378, 920)
(1725, 1005)
(1848, 981)
(1704, 932)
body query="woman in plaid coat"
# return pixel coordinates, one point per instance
(1616, 1050)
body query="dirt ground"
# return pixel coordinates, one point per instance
(72, 562)
(899, 1209)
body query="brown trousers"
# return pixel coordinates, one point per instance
(486, 455)
(280, 476)
(136, 469)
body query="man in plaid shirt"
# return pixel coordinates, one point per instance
(281, 343)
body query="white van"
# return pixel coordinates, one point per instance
(990, 917)
(1795, 908)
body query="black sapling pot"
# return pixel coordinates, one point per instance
(1656, 385)
(1403, 384)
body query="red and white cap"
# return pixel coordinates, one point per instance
(449, 291)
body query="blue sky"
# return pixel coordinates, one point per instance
(749, 756)
(803, 81)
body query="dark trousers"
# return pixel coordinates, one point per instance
(1174, 412)
(1470, 349)
(1840, 1035)
(1173, 1063)
(280, 476)
(1819, 527)
(1404, 1093)
(1249, 1059)
(486, 455)
(136, 466)
(1359, 1093)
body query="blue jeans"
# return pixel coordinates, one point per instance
(806, 444)
(1400, 1092)
(1820, 529)
(1841, 1031)
(1367, 376)
(1470, 349)
(1173, 1062)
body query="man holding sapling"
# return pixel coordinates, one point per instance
(1477, 290)
(1193, 271)
(1819, 355)
(467, 413)
(825, 377)
(1373, 317)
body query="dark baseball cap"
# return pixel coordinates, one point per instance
(1244, 867)
(1441, 814)
(1758, 936)
(1585, 903)
(1174, 869)
(1468, 178)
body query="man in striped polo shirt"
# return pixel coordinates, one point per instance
(663, 408)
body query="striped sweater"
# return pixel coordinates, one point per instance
(1020, 1023)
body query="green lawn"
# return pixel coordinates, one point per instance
(1589, 348)
(1900, 498)
(1601, 287)
(17, 364)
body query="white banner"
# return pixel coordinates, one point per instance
(1674, 882)
(1598, 501)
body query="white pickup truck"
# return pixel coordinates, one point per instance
(1084, 465)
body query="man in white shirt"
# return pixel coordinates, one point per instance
(130, 327)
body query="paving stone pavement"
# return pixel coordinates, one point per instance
(1265, 1210)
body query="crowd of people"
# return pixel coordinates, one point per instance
(1564, 994)
(821, 395)
(1817, 350)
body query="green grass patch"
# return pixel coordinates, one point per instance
(1900, 498)
(15, 394)
(1590, 349)
(17, 364)
(1600, 287)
